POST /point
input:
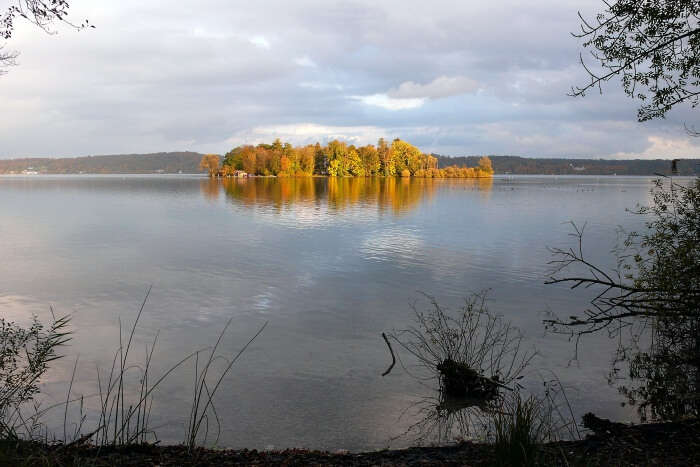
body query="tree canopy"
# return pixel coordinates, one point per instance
(210, 163)
(653, 46)
(340, 159)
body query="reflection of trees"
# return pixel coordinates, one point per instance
(654, 292)
(210, 188)
(397, 195)
(272, 191)
(481, 185)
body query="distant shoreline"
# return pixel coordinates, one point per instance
(188, 163)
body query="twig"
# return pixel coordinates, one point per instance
(393, 358)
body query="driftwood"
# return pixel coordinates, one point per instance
(601, 426)
(458, 380)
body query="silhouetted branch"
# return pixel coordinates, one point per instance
(393, 358)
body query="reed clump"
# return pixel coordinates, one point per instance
(125, 393)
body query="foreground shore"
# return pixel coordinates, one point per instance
(668, 444)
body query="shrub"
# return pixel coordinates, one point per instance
(25, 354)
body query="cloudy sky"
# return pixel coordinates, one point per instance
(453, 77)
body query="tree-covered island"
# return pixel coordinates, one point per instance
(337, 159)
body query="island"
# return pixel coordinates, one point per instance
(337, 159)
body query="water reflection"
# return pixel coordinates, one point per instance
(394, 195)
(445, 419)
(329, 275)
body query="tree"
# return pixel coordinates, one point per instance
(234, 158)
(42, 13)
(338, 158)
(336, 153)
(210, 163)
(384, 152)
(248, 159)
(354, 162)
(485, 166)
(320, 160)
(652, 45)
(370, 159)
(286, 166)
(405, 156)
(306, 159)
(655, 286)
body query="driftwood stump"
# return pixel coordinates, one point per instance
(460, 381)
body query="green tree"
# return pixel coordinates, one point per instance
(337, 155)
(306, 159)
(320, 159)
(406, 156)
(234, 158)
(370, 159)
(384, 152)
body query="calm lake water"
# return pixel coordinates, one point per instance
(330, 264)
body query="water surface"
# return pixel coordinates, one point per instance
(330, 264)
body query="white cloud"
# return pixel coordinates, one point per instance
(305, 61)
(443, 86)
(664, 148)
(389, 103)
(260, 41)
(411, 95)
(320, 85)
(307, 133)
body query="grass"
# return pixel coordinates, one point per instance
(125, 393)
(518, 431)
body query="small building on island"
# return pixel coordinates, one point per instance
(240, 173)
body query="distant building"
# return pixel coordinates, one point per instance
(240, 173)
(577, 169)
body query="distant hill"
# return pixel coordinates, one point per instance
(162, 162)
(188, 162)
(526, 165)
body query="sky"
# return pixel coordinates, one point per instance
(452, 77)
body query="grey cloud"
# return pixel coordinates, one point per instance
(153, 76)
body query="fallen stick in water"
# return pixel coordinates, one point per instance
(393, 358)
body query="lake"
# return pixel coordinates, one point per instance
(328, 264)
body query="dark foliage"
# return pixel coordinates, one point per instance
(167, 162)
(560, 166)
(653, 46)
(25, 354)
(655, 293)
